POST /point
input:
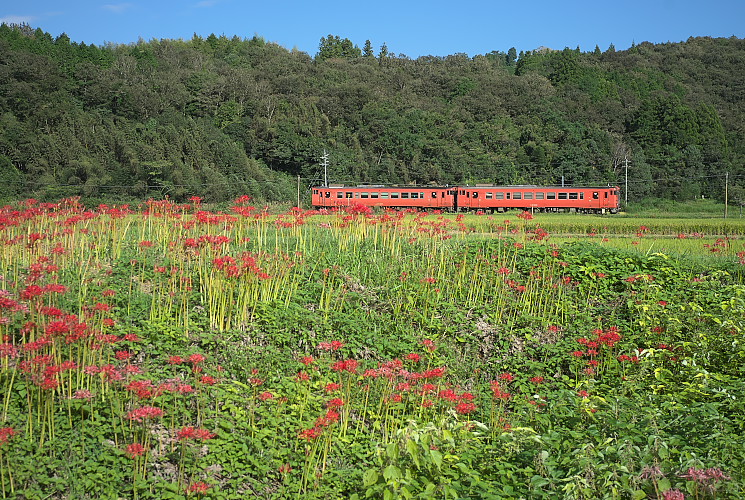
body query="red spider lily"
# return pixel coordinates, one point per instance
(82, 394)
(5, 434)
(135, 450)
(448, 395)
(143, 413)
(349, 365)
(331, 417)
(334, 345)
(434, 373)
(194, 433)
(49, 383)
(335, 403)
(285, 469)
(413, 357)
(123, 355)
(310, 434)
(507, 377)
(497, 391)
(184, 389)
(465, 408)
(208, 380)
(8, 351)
(196, 358)
(428, 388)
(200, 488)
(583, 394)
(307, 360)
(332, 387)
(302, 376)
(175, 360)
(265, 396)
(396, 398)
(537, 380)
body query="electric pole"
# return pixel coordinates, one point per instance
(325, 165)
(726, 189)
(626, 189)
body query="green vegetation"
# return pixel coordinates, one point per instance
(177, 352)
(220, 117)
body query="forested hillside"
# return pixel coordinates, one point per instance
(220, 117)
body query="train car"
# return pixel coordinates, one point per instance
(594, 199)
(394, 197)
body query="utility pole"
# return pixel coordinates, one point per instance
(626, 189)
(726, 189)
(325, 165)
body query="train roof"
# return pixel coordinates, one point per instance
(468, 186)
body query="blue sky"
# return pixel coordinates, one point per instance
(413, 28)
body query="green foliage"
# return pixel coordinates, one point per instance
(307, 355)
(229, 114)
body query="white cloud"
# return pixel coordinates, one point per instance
(117, 8)
(12, 19)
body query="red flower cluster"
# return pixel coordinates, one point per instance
(143, 413)
(334, 345)
(193, 433)
(348, 365)
(135, 450)
(5, 434)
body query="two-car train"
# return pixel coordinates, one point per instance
(593, 199)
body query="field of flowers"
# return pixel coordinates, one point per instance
(170, 351)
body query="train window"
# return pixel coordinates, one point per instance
(421, 195)
(394, 195)
(475, 194)
(364, 195)
(606, 194)
(517, 196)
(489, 196)
(550, 196)
(315, 191)
(384, 195)
(434, 194)
(528, 196)
(328, 194)
(582, 195)
(573, 196)
(414, 196)
(508, 195)
(339, 194)
(563, 196)
(373, 195)
(357, 195)
(594, 195)
(500, 196)
(349, 194)
(539, 196)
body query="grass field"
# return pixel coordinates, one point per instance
(178, 352)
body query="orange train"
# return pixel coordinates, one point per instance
(593, 199)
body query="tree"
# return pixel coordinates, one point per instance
(383, 54)
(511, 56)
(334, 47)
(367, 51)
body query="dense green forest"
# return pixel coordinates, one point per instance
(221, 117)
